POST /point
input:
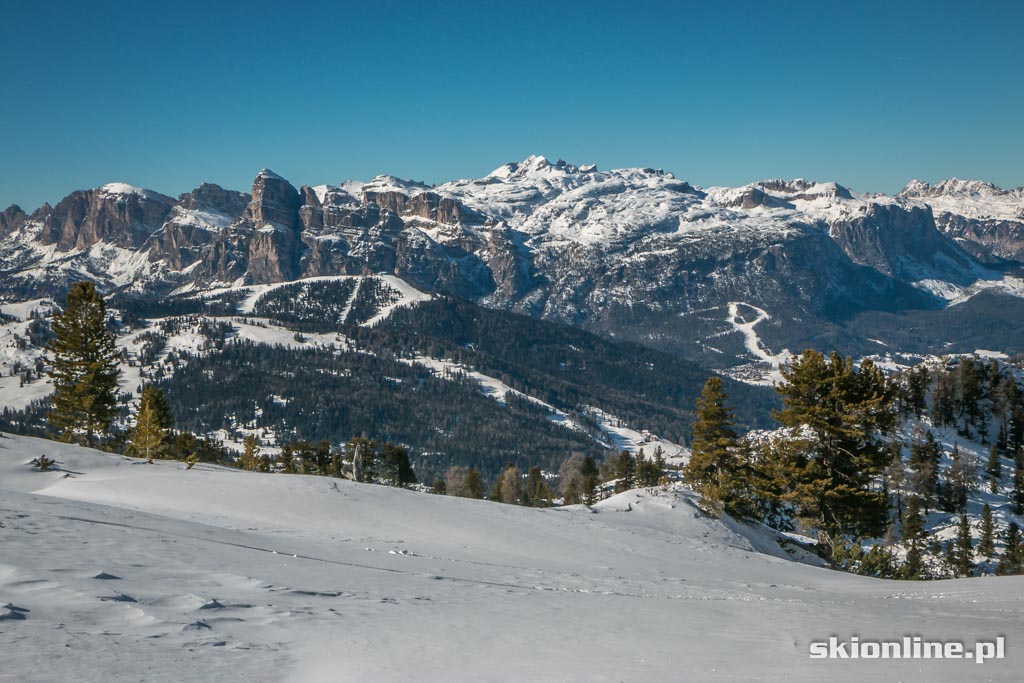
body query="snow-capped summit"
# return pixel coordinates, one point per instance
(952, 187)
(122, 189)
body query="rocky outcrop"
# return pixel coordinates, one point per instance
(902, 242)
(12, 219)
(194, 224)
(116, 214)
(991, 240)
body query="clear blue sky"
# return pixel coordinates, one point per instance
(167, 95)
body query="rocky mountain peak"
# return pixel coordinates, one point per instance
(952, 187)
(275, 202)
(11, 219)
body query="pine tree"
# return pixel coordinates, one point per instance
(714, 468)
(250, 459)
(913, 567)
(913, 521)
(964, 550)
(960, 482)
(986, 545)
(149, 437)
(536, 492)
(158, 403)
(623, 470)
(994, 468)
(578, 476)
(916, 390)
(474, 486)
(1017, 495)
(840, 417)
(84, 368)
(1012, 559)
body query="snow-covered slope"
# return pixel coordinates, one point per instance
(116, 570)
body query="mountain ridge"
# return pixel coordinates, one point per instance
(627, 253)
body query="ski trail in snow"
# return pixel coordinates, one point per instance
(409, 296)
(751, 340)
(351, 301)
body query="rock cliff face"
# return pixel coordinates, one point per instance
(634, 253)
(194, 224)
(986, 221)
(11, 219)
(116, 214)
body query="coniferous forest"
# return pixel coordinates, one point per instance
(912, 473)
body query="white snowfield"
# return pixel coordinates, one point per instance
(117, 570)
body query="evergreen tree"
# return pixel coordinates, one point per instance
(1012, 560)
(915, 391)
(986, 545)
(623, 470)
(578, 478)
(1017, 495)
(944, 401)
(839, 417)
(474, 486)
(250, 459)
(913, 521)
(536, 492)
(84, 369)
(395, 465)
(913, 566)
(960, 482)
(158, 403)
(714, 468)
(964, 550)
(648, 470)
(994, 468)
(149, 437)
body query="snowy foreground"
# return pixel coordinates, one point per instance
(117, 570)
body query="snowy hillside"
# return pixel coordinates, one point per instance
(117, 570)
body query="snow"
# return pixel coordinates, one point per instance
(744, 323)
(970, 198)
(389, 183)
(617, 435)
(125, 571)
(123, 189)
(408, 296)
(256, 292)
(955, 294)
(23, 310)
(204, 219)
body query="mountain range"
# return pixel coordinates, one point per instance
(629, 254)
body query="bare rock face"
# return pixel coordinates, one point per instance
(350, 239)
(11, 220)
(194, 224)
(990, 240)
(901, 242)
(754, 197)
(986, 220)
(432, 206)
(273, 214)
(116, 214)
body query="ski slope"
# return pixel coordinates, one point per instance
(117, 570)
